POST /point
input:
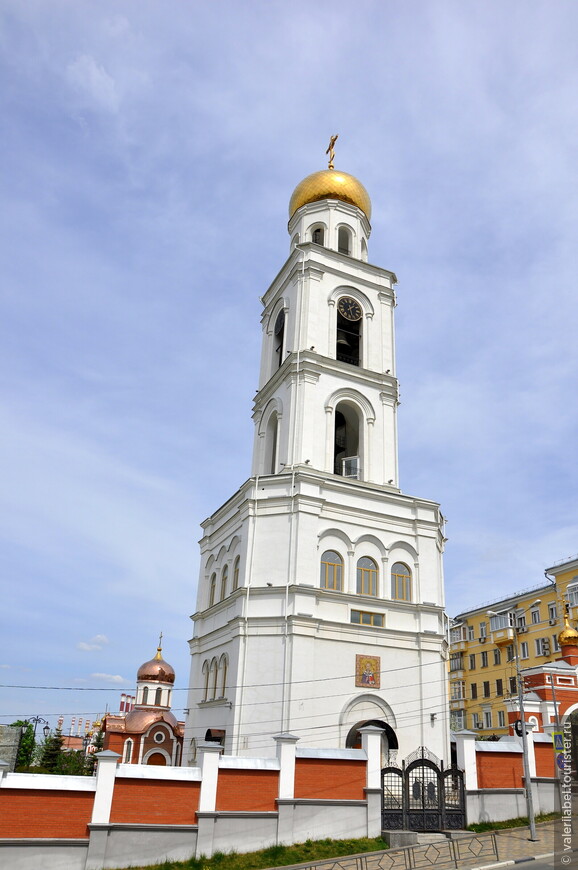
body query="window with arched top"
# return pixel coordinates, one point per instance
(206, 673)
(236, 564)
(400, 582)
(367, 576)
(224, 579)
(223, 681)
(318, 235)
(145, 695)
(271, 444)
(159, 697)
(127, 751)
(212, 589)
(331, 570)
(214, 678)
(349, 329)
(278, 339)
(344, 240)
(346, 441)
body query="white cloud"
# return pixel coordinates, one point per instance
(91, 80)
(109, 678)
(95, 643)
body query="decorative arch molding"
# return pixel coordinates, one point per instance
(334, 533)
(210, 563)
(345, 290)
(221, 555)
(281, 305)
(377, 701)
(404, 547)
(273, 406)
(234, 543)
(372, 539)
(345, 394)
(568, 713)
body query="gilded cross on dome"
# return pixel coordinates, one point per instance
(331, 149)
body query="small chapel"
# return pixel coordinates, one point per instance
(148, 733)
(320, 604)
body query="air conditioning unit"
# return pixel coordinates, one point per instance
(351, 466)
(482, 639)
(552, 621)
(522, 629)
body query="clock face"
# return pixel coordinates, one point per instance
(349, 308)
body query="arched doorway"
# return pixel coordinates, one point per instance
(158, 759)
(389, 744)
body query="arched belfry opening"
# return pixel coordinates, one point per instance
(278, 339)
(348, 337)
(346, 442)
(270, 463)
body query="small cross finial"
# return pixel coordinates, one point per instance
(159, 647)
(331, 149)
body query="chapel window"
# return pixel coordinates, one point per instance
(400, 582)
(318, 235)
(366, 576)
(278, 338)
(224, 579)
(236, 573)
(159, 697)
(212, 589)
(346, 448)
(344, 240)
(331, 570)
(348, 336)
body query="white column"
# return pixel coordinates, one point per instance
(105, 777)
(371, 744)
(209, 765)
(466, 752)
(286, 744)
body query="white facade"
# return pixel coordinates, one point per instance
(280, 624)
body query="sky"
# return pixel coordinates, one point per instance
(150, 150)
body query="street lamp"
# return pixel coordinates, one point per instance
(527, 781)
(37, 720)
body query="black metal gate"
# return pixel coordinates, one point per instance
(422, 795)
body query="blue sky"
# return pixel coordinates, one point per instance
(149, 153)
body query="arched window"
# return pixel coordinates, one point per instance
(344, 240)
(236, 573)
(364, 250)
(278, 338)
(212, 589)
(206, 676)
(271, 444)
(318, 235)
(331, 570)
(224, 578)
(145, 695)
(366, 576)
(401, 582)
(214, 677)
(127, 751)
(348, 340)
(223, 681)
(159, 697)
(346, 446)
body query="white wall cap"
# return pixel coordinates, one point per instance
(356, 754)
(49, 782)
(239, 762)
(151, 771)
(497, 746)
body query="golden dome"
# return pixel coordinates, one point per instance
(157, 670)
(568, 636)
(330, 184)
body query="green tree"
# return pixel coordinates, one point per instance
(51, 751)
(27, 743)
(71, 764)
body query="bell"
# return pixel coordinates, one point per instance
(342, 339)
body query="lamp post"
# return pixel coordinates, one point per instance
(37, 720)
(527, 782)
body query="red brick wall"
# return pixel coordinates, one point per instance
(155, 802)
(330, 780)
(247, 790)
(41, 813)
(545, 764)
(499, 769)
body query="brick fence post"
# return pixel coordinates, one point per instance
(286, 746)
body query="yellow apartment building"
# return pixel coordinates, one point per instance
(485, 641)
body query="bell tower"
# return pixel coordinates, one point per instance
(320, 598)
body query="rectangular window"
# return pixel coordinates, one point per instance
(457, 720)
(476, 723)
(474, 691)
(362, 617)
(486, 689)
(555, 644)
(457, 690)
(499, 687)
(483, 629)
(520, 620)
(524, 650)
(501, 719)
(510, 652)
(542, 646)
(535, 617)
(552, 611)
(572, 594)
(497, 657)
(456, 661)
(456, 634)
(513, 686)
(484, 659)
(472, 662)
(471, 632)
(488, 719)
